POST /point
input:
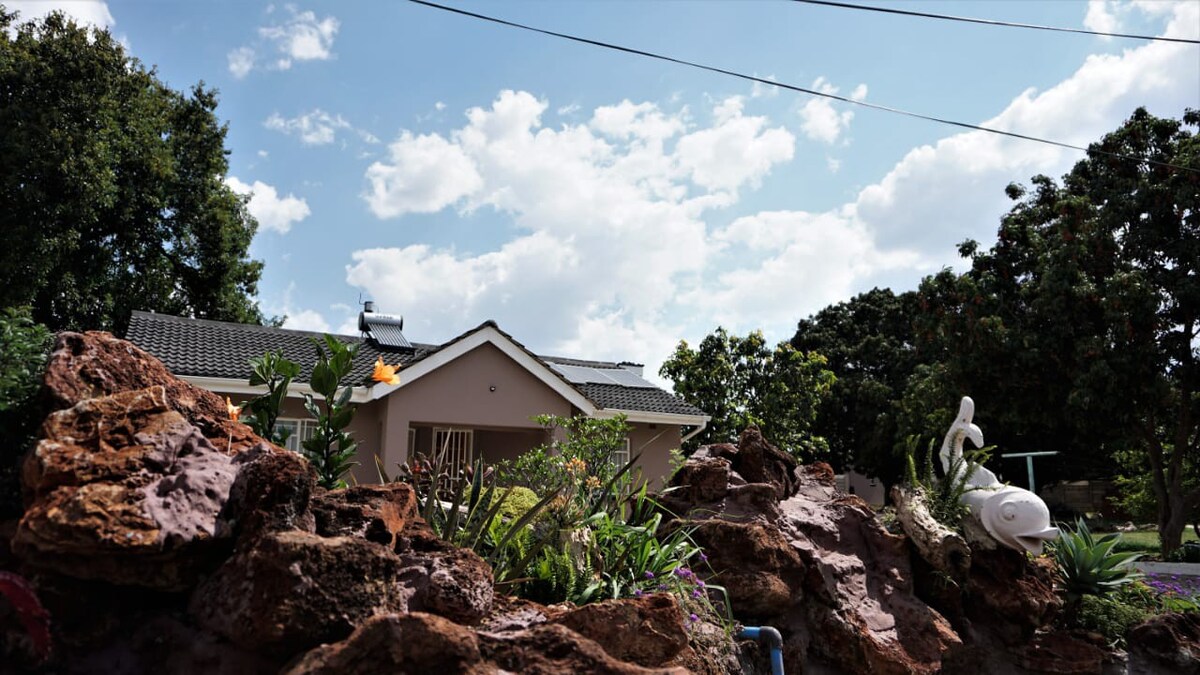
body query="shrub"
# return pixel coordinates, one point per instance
(1089, 566)
(1188, 553)
(1109, 616)
(518, 502)
(23, 348)
(331, 448)
(943, 496)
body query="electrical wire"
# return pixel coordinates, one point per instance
(789, 87)
(992, 22)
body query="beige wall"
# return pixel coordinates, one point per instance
(459, 394)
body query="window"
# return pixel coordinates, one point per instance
(300, 431)
(459, 446)
(620, 455)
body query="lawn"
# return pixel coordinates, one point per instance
(1146, 540)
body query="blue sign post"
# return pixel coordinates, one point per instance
(1028, 462)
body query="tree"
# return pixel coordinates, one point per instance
(112, 185)
(1077, 330)
(741, 381)
(868, 342)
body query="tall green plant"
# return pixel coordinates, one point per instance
(1088, 565)
(943, 496)
(23, 348)
(331, 448)
(262, 412)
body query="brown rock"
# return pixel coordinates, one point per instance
(125, 490)
(1060, 652)
(376, 513)
(760, 462)
(702, 480)
(549, 649)
(164, 644)
(294, 590)
(761, 572)
(411, 643)
(1166, 643)
(648, 631)
(96, 364)
(1010, 594)
(870, 620)
(443, 579)
(271, 493)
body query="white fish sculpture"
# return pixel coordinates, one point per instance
(1013, 516)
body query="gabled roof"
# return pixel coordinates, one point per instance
(201, 348)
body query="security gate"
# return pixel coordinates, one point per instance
(456, 447)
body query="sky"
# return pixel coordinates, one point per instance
(603, 205)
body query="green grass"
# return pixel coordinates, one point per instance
(1145, 540)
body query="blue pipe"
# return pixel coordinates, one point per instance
(772, 638)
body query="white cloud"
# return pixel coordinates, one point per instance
(819, 120)
(316, 127)
(427, 174)
(608, 214)
(439, 106)
(737, 150)
(306, 319)
(93, 13)
(834, 165)
(940, 194)
(568, 110)
(241, 61)
(268, 208)
(263, 154)
(302, 37)
(619, 249)
(1101, 16)
(760, 90)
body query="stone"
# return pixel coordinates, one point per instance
(1010, 594)
(760, 571)
(443, 579)
(649, 631)
(165, 644)
(1166, 643)
(760, 462)
(95, 364)
(391, 643)
(376, 513)
(272, 493)
(124, 489)
(551, 649)
(1060, 652)
(294, 590)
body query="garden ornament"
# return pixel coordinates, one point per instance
(1013, 516)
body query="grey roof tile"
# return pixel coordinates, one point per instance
(205, 348)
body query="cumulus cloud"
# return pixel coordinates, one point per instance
(241, 61)
(819, 120)
(306, 319)
(300, 37)
(623, 242)
(608, 213)
(93, 13)
(268, 208)
(941, 194)
(316, 127)
(760, 90)
(1101, 16)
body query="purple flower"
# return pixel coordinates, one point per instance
(662, 587)
(683, 572)
(649, 575)
(700, 583)
(703, 558)
(637, 593)
(697, 593)
(693, 618)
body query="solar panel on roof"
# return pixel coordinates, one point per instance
(386, 330)
(589, 375)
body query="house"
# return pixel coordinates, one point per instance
(475, 394)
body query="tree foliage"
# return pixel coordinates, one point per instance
(868, 343)
(24, 345)
(112, 185)
(1077, 330)
(741, 381)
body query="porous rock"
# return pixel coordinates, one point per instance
(293, 590)
(1166, 643)
(440, 578)
(648, 631)
(376, 513)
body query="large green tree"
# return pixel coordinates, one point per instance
(112, 186)
(869, 344)
(1077, 330)
(741, 381)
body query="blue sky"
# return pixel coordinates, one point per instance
(603, 205)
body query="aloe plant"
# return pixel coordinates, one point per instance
(1088, 565)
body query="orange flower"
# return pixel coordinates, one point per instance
(384, 373)
(234, 410)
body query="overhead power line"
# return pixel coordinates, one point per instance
(992, 22)
(784, 85)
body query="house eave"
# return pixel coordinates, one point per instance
(229, 385)
(646, 417)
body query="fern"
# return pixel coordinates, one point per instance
(943, 495)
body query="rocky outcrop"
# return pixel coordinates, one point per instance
(423, 643)
(648, 631)
(1166, 643)
(816, 564)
